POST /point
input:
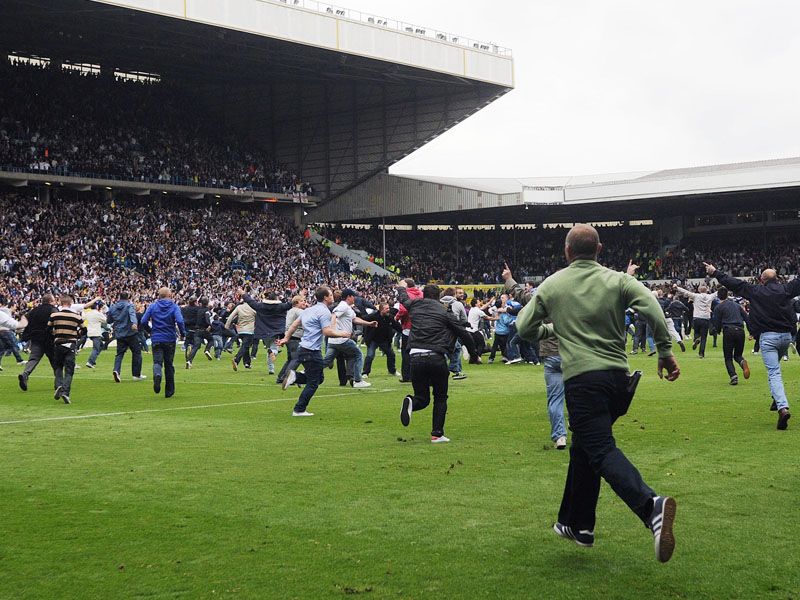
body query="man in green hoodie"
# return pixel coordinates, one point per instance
(586, 303)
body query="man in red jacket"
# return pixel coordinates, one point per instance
(414, 293)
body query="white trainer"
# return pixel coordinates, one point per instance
(361, 384)
(289, 379)
(439, 439)
(305, 413)
(140, 378)
(561, 443)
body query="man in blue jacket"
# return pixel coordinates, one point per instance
(163, 316)
(122, 316)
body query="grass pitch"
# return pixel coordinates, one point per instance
(218, 492)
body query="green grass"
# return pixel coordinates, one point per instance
(241, 500)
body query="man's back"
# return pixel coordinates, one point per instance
(587, 303)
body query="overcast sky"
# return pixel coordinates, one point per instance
(619, 85)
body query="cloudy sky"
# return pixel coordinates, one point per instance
(619, 85)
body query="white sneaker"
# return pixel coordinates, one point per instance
(785, 357)
(289, 379)
(361, 384)
(365, 376)
(89, 366)
(305, 413)
(439, 440)
(514, 361)
(140, 378)
(116, 376)
(399, 374)
(561, 443)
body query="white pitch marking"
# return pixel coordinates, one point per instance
(173, 408)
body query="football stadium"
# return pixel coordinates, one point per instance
(226, 324)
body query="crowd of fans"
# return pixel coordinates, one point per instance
(65, 123)
(195, 248)
(477, 256)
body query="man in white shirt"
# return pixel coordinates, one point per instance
(702, 314)
(343, 319)
(95, 319)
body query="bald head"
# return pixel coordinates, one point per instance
(583, 242)
(768, 275)
(164, 293)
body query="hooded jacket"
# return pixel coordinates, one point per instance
(162, 316)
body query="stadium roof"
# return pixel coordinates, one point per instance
(337, 99)
(759, 185)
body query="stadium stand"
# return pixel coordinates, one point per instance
(70, 123)
(476, 256)
(137, 245)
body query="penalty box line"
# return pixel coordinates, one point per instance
(175, 408)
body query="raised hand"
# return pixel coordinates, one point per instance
(710, 269)
(632, 268)
(506, 272)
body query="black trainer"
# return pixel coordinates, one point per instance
(405, 411)
(773, 407)
(57, 395)
(583, 537)
(735, 380)
(23, 382)
(157, 384)
(661, 521)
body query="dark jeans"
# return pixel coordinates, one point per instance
(701, 332)
(732, 347)
(500, 341)
(386, 347)
(129, 343)
(199, 338)
(244, 350)
(64, 366)
(405, 359)
(291, 363)
(431, 371)
(8, 343)
(163, 359)
(595, 400)
(312, 378)
(38, 350)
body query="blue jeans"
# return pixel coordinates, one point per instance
(97, 347)
(554, 384)
(351, 353)
(773, 346)
(455, 358)
(311, 378)
(390, 356)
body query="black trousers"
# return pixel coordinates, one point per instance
(595, 400)
(500, 342)
(64, 366)
(292, 349)
(701, 332)
(163, 363)
(405, 359)
(244, 350)
(431, 371)
(732, 347)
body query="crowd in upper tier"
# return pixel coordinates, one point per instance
(64, 123)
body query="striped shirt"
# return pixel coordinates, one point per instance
(65, 326)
